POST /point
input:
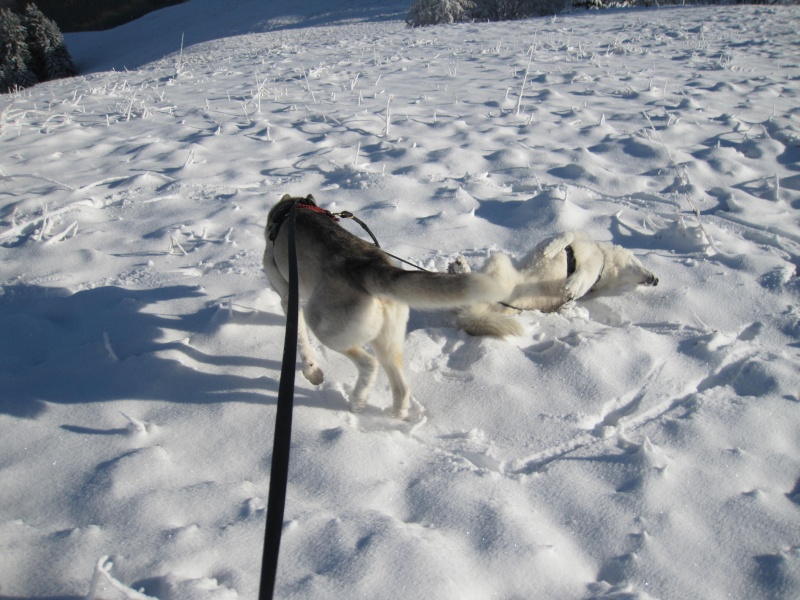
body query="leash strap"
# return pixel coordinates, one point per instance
(279, 472)
(346, 214)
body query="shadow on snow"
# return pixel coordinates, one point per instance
(106, 344)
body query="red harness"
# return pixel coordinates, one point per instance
(280, 218)
(317, 209)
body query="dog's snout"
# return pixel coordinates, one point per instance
(651, 280)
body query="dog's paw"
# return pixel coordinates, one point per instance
(571, 291)
(358, 406)
(577, 285)
(413, 414)
(557, 244)
(459, 265)
(314, 374)
(400, 413)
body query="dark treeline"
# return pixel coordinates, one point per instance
(91, 15)
(432, 12)
(31, 50)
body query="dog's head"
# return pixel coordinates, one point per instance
(277, 215)
(622, 269)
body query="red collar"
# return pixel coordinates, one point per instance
(317, 209)
(279, 218)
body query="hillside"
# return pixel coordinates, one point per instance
(638, 444)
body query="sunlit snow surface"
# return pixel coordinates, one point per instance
(638, 445)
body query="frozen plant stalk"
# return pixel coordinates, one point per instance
(388, 116)
(524, 81)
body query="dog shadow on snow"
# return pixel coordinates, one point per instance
(108, 344)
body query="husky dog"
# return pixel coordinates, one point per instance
(353, 295)
(560, 269)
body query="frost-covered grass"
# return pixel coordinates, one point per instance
(640, 445)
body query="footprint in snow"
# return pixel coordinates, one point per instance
(373, 418)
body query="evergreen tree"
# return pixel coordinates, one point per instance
(508, 10)
(431, 12)
(15, 57)
(50, 58)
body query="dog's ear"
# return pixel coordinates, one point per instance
(286, 197)
(310, 198)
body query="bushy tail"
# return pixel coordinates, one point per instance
(481, 320)
(421, 289)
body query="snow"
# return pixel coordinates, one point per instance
(643, 444)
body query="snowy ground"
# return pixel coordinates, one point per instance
(644, 445)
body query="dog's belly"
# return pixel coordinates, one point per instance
(341, 322)
(542, 302)
(542, 288)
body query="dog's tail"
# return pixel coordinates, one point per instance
(481, 320)
(421, 289)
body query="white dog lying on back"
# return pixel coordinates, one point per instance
(558, 270)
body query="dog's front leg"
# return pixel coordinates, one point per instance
(311, 370)
(308, 358)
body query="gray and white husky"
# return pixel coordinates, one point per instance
(558, 270)
(354, 296)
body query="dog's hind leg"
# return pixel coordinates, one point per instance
(557, 244)
(367, 370)
(391, 360)
(388, 348)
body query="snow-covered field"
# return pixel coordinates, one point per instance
(640, 445)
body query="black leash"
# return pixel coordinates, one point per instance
(346, 214)
(279, 219)
(282, 439)
(279, 472)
